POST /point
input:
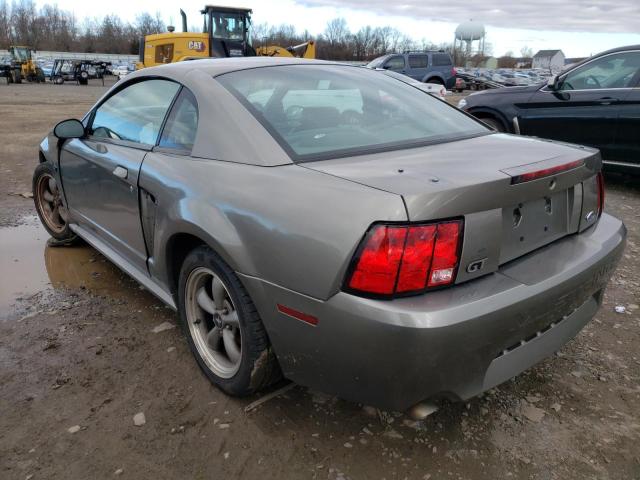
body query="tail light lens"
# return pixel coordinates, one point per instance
(454, 72)
(403, 259)
(600, 179)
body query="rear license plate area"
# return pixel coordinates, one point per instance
(530, 225)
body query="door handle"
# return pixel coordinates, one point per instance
(607, 100)
(121, 172)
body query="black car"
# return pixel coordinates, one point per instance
(595, 103)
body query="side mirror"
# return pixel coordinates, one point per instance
(386, 67)
(553, 82)
(69, 129)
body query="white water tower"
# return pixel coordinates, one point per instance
(470, 38)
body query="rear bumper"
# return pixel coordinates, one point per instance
(455, 342)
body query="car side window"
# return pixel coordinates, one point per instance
(182, 124)
(441, 60)
(612, 71)
(136, 113)
(395, 63)
(418, 61)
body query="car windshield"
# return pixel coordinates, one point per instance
(376, 62)
(317, 112)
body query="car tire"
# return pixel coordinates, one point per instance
(48, 200)
(40, 78)
(214, 348)
(435, 80)
(494, 123)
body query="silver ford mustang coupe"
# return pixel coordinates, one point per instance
(334, 226)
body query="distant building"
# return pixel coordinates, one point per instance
(552, 60)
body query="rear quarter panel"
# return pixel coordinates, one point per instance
(287, 225)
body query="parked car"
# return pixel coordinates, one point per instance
(121, 71)
(429, 67)
(595, 103)
(333, 225)
(435, 89)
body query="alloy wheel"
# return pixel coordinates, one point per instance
(213, 322)
(50, 204)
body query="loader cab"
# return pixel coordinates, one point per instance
(20, 54)
(229, 31)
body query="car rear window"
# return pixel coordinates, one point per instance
(317, 112)
(441, 59)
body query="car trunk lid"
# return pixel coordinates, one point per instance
(487, 181)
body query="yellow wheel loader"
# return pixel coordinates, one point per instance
(226, 33)
(23, 67)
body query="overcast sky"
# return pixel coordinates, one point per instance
(578, 27)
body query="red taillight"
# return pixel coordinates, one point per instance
(417, 258)
(454, 72)
(377, 268)
(445, 254)
(406, 258)
(600, 179)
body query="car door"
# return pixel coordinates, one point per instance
(627, 143)
(395, 63)
(418, 64)
(100, 172)
(174, 147)
(442, 65)
(585, 106)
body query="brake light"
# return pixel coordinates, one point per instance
(401, 259)
(545, 172)
(377, 268)
(600, 179)
(454, 72)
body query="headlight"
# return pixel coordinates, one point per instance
(462, 103)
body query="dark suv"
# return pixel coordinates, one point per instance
(429, 67)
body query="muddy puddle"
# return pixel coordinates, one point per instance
(28, 266)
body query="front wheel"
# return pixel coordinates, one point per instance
(47, 197)
(222, 326)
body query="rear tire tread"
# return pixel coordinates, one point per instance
(265, 369)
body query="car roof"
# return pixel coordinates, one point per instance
(220, 66)
(618, 49)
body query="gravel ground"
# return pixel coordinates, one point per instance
(80, 360)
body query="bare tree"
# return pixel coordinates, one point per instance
(146, 24)
(5, 23)
(336, 31)
(51, 28)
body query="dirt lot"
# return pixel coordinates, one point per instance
(78, 353)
